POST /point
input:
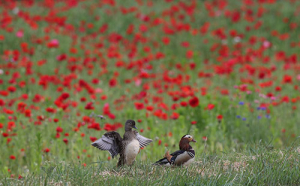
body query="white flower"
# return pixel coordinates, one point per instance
(15, 10)
(237, 39)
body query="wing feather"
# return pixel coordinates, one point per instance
(110, 141)
(162, 161)
(178, 152)
(101, 144)
(143, 140)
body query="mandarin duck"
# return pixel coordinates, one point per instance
(184, 156)
(128, 147)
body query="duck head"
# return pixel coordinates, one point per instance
(184, 143)
(129, 125)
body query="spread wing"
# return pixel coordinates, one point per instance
(110, 141)
(143, 140)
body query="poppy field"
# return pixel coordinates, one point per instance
(226, 72)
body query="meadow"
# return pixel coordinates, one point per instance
(227, 72)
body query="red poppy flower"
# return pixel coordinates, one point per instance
(83, 99)
(4, 93)
(149, 108)
(111, 116)
(112, 82)
(50, 110)
(46, 150)
(220, 117)
(112, 127)
(175, 115)
(95, 126)
(2, 103)
(189, 54)
(287, 79)
(57, 135)
(166, 40)
(11, 89)
(93, 139)
(11, 124)
(192, 65)
(235, 16)
(89, 106)
(61, 57)
(159, 142)
(54, 43)
(285, 99)
(66, 141)
(139, 106)
(143, 28)
(27, 113)
(7, 111)
(12, 157)
(8, 140)
(194, 102)
(183, 103)
(59, 129)
(224, 92)
(210, 106)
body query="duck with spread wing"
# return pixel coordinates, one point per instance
(128, 146)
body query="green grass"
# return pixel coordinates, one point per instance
(258, 165)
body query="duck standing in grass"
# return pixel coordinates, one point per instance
(128, 147)
(184, 156)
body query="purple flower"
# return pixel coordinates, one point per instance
(92, 115)
(100, 116)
